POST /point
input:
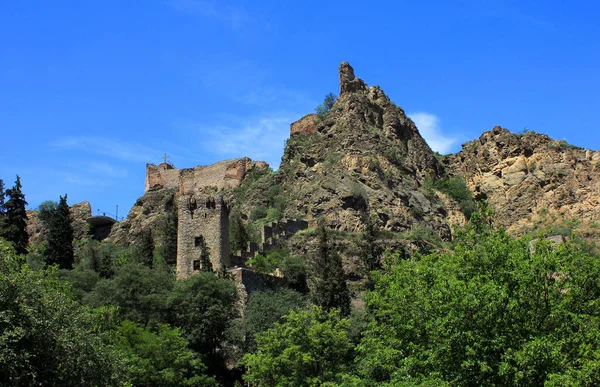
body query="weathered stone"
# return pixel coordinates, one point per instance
(522, 175)
(79, 212)
(306, 124)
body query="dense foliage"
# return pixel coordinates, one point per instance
(310, 348)
(488, 309)
(46, 337)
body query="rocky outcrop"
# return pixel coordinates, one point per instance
(526, 176)
(80, 212)
(150, 212)
(366, 155)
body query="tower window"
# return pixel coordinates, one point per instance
(196, 264)
(197, 241)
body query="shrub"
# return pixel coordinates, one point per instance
(457, 189)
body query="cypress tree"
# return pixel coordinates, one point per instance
(2, 210)
(145, 249)
(59, 234)
(327, 281)
(14, 225)
(205, 264)
(370, 252)
(238, 235)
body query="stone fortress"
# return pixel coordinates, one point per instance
(203, 214)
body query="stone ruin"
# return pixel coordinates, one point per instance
(273, 236)
(203, 215)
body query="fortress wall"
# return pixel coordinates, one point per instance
(163, 175)
(210, 223)
(306, 124)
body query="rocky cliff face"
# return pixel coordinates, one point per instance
(365, 155)
(530, 179)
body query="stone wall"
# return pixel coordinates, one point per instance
(208, 219)
(252, 281)
(224, 174)
(273, 236)
(274, 232)
(159, 176)
(306, 124)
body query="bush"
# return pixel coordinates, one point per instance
(258, 212)
(457, 189)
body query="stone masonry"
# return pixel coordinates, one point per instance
(273, 236)
(201, 216)
(202, 212)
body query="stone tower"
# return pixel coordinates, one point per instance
(201, 216)
(202, 212)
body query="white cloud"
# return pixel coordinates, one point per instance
(259, 138)
(111, 148)
(429, 127)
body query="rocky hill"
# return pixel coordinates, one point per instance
(532, 181)
(364, 157)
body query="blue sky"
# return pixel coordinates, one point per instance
(92, 90)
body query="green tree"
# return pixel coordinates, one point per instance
(46, 337)
(159, 357)
(266, 308)
(144, 249)
(327, 281)
(205, 264)
(167, 232)
(324, 108)
(310, 347)
(14, 228)
(370, 251)
(238, 234)
(99, 257)
(494, 311)
(203, 306)
(140, 293)
(59, 233)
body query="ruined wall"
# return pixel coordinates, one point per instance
(273, 236)
(306, 124)
(208, 219)
(282, 230)
(161, 176)
(224, 174)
